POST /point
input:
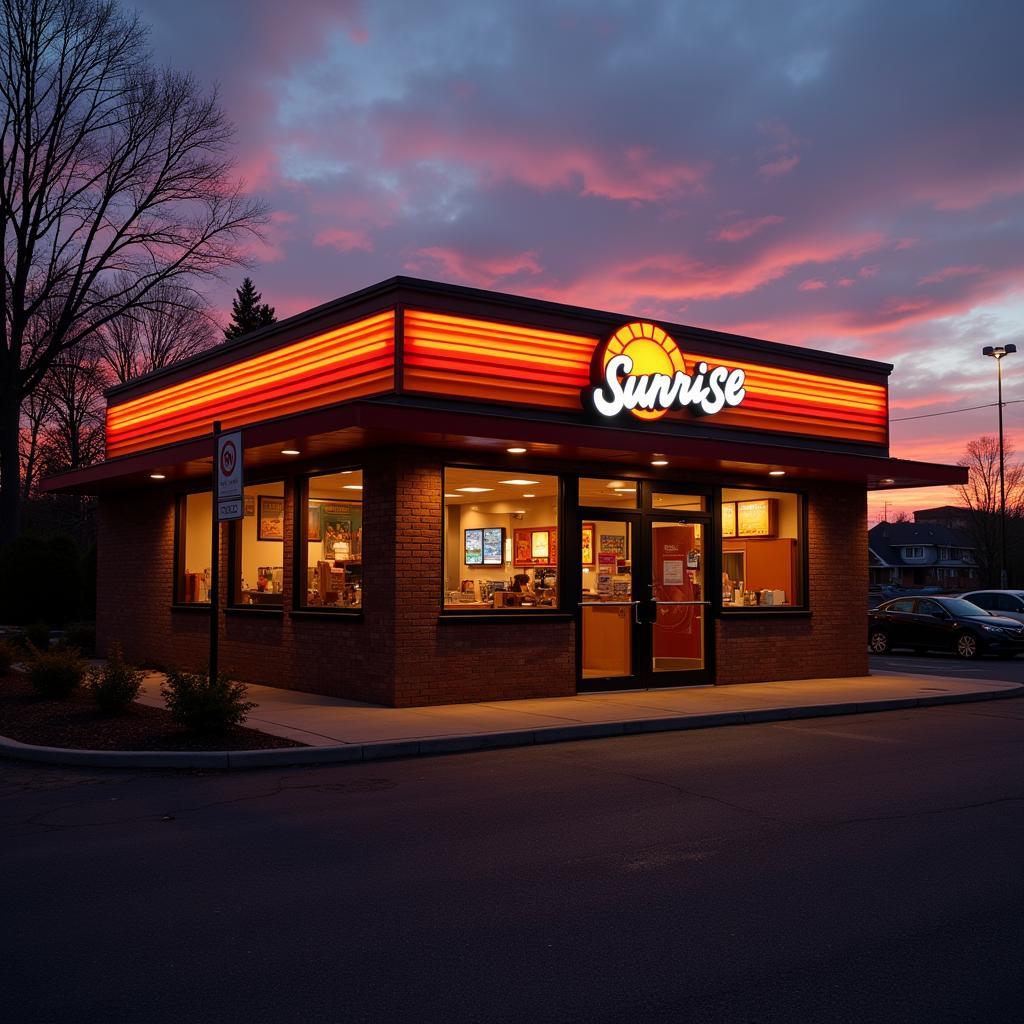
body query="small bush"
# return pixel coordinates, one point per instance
(37, 636)
(114, 685)
(8, 656)
(81, 635)
(56, 673)
(202, 704)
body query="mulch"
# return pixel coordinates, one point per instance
(76, 722)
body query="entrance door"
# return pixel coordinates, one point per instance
(678, 605)
(644, 605)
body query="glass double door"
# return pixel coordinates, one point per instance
(644, 603)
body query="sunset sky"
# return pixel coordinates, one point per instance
(843, 175)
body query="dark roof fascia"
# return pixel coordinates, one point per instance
(460, 300)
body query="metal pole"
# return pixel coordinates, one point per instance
(214, 562)
(1002, 482)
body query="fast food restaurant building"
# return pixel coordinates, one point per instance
(458, 495)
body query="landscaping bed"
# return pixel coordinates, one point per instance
(76, 722)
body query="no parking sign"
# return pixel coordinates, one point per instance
(229, 476)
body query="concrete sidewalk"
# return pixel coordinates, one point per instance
(330, 721)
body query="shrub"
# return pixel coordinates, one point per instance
(114, 685)
(37, 636)
(56, 673)
(8, 656)
(81, 635)
(202, 704)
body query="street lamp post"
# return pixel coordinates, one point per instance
(998, 353)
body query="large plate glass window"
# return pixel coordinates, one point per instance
(762, 549)
(194, 546)
(500, 540)
(259, 553)
(331, 552)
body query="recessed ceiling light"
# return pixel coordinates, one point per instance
(451, 495)
(520, 512)
(529, 495)
(519, 483)
(474, 490)
(157, 476)
(659, 461)
(887, 480)
(515, 451)
(776, 472)
(352, 487)
(290, 451)
(624, 490)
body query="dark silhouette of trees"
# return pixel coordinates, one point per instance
(247, 311)
(116, 181)
(980, 497)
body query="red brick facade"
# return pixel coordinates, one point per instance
(401, 651)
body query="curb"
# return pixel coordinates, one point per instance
(236, 760)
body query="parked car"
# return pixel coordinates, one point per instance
(1007, 603)
(942, 624)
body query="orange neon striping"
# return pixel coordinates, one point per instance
(337, 365)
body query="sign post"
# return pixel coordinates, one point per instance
(227, 505)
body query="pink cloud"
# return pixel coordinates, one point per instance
(871, 271)
(776, 168)
(342, 240)
(741, 229)
(973, 192)
(948, 273)
(845, 282)
(812, 284)
(633, 174)
(479, 271)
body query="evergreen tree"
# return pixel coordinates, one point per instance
(247, 312)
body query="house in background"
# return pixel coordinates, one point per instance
(925, 553)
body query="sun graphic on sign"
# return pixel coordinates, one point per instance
(652, 351)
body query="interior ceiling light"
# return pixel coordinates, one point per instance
(515, 451)
(352, 487)
(157, 476)
(519, 483)
(625, 490)
(659, 460)
(290, 451)
(887, 480)
(474, 490)
(451, 495)
(529, 495)
(776, 472)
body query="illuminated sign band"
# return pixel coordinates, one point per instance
(642, 370)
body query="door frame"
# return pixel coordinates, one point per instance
(641, 519)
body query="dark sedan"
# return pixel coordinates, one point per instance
(942, 624)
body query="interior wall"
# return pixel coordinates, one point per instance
(256, 553)
(198, 509)
(788, 507)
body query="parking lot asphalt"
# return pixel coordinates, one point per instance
(991, 669)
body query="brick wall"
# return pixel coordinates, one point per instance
(401, 652)
(832, 641)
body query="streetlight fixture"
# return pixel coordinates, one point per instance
(999, 353)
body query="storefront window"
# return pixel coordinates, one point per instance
(762, 549)
(331, 556)
(664, 501)
(500, 540)
(259, 554)
(194, 545)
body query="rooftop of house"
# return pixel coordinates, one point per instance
(887, 540)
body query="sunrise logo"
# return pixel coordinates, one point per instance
(642, 370)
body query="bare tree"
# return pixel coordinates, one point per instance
(74, 430)
(35, 413)
(980, 495)
(175, 325)
(116, 179)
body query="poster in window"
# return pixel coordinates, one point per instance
(539, 545)
(340, 528)
(728, 518)
(755, 518)
(250, 505)
(313, 522)
(494, 545)
(270, 519)
(588, 544)
(474, 547)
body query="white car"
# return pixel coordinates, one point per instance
(1007, 603)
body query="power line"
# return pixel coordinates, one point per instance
(949, 412)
